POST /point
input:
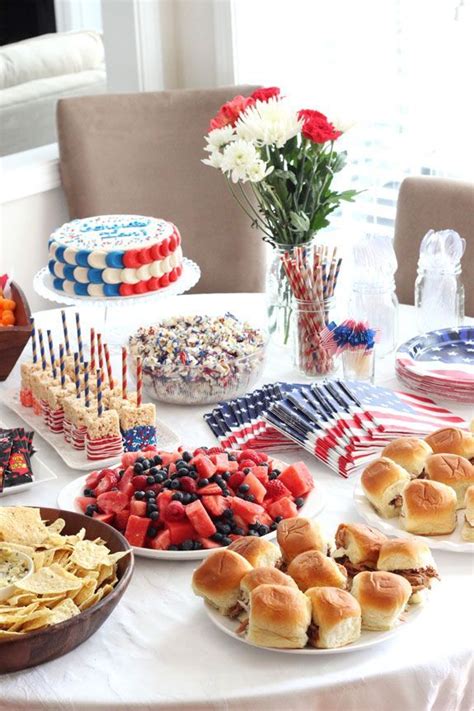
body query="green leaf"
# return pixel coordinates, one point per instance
(300, 221)
(348, 195)
(285, 175)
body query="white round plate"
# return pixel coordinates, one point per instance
(43, 285)
(367, 638)
(393, 527)
(67, 500)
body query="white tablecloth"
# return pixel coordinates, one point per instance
(158, 650)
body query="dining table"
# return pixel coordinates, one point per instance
(159, 650)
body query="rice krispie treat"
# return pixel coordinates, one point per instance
(75, 419)
(138, 426)
(26, 371)
(55, 397)
(40, 381)
(103, 437)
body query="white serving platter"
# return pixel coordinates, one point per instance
(67, 500)
(73, 458)
(368, 638)
(393, 526)
(41, 473)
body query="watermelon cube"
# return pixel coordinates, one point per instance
(84, 501)
(261, 473)
(93, 479)
(137, 508)
(210, 490)
(246, 510)
(297, 478)
(163, 499)
(215, 505)
(138, 482)
(112, 502)
(207, 543)
(256, 488)
(105, 518)
(106, 483)
(204, 466)
(161, 541)
(180, 531)
(136, 530)
(200, 519)
(283, 507)
(221, 461)
(121, 518)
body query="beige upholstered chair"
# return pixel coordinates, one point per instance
(141, 153)
(432, 203)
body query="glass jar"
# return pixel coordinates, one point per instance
(358, 364)
(439, 299)
(378, 305)
(310, 356)
(279, 298)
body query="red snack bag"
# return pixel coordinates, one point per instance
(5, 450)
(18, 469)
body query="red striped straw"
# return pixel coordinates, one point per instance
(108, 365)
(124, 373)
(100, 354)
(139, 381)
(92, 349)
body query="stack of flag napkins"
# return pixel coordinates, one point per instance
(342, 423)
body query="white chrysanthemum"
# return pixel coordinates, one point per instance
(267, 123)
(214, 160)
(237, 157)
(219, 137)
(258, 171)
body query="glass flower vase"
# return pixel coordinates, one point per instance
(280, 302)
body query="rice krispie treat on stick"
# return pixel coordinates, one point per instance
(137, 422)
(27, 369)
(55, 396)
(103, 437)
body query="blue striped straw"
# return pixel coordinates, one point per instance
(33, 341)
(86, 385)
(51, 353)
(42, 352)
(62, 365)
(100, 407)
(79, 337)
(77, 382)
(66, 335)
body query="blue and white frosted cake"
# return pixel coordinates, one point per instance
(114, 255)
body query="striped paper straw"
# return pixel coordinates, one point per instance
(66, 334)
(42, 352)
(79, 337)
(92, 349)
(100, 354)
(139, 381)
(108, 365)
(100, 408)
(62, 365)
(51, 353)
(33, 341)
(124, 372)
(77, 381)
(86, 385)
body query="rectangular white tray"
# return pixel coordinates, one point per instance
(73, 458)
(41, 473)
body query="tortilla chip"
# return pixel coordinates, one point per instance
(90, 555)
(64, 611)
(53, 579)
(22, 525)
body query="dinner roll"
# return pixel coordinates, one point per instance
(279, 617)
(218, 578)
(409, 452)
(411, 558)
(297, 535)
(313, 569)
(358, 545)
(263, 576)
(452, 470)
(335, 618)
(258, 551)
(468, 526)
(428, 508)
(451, 440)
(382, 597)
(382, 482)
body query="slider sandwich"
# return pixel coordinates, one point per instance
(382, 597)
(357, 547)
(218, 578)
(298, 535)
(335, 618)
(412, 559)
(468, 527)
(313, 569)
(251, 580)
(258, 551)
(451, 440)
(279, 616)
(410, 453)
(452, 470)
(383, 482)
(428, 508)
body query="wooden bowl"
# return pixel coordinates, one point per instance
(52, 642)
(15, 338)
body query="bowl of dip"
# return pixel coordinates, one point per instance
(14, 566)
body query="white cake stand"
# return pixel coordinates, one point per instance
(43, 285)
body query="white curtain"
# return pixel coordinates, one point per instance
(400, 69)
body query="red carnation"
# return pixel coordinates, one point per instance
(316, 127)
(265, 93)
(230, 112)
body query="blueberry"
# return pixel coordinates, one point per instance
(138, 468)
(186, 498)
(263, 530)
(187, 456)
(172, 547)
(139, 495)
(158, 479)
(157, 460)
(167, 483)
(192, 497)
(226, 476)
(276, 471)
(228, 513)
(152, 532)
(222, 485)
(273, 526)
(114, 488)
(250, 498)
(197, 545)
(147, 464)
(88, 492)
(246, 470)
(224, 528)
(187, 545)
(243, 488)
(192, 474)
(226, 541)
(225, 492)
(238, 531)
(232, 458)
(252, 533)
(272, 476)
(299, 502)
(150, 495)
(140, 460)
(179, 462)
(150, 480)
(177, 497)
(203, 482)
(278, 519)
(174, 484)
(91, 509)
(217, 537)
(121, 473)
(151, 508)
(153, 471)
(154, 515)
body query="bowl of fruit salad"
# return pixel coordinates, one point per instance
(185, 504)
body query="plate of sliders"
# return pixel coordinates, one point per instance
(423, 488)
(312, 595)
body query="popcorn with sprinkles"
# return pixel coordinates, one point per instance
(199, 359)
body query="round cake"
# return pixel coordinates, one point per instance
(115, 255)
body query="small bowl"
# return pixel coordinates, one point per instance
(34, 648)
(197, 387)
(13, 339)
(8, 590)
